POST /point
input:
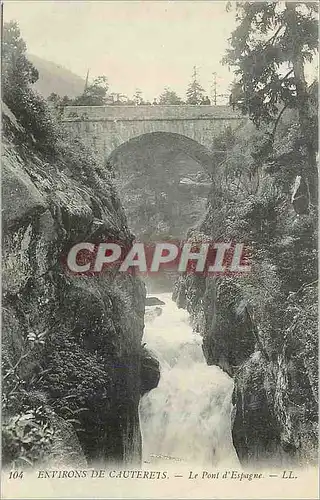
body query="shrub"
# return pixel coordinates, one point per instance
(26, 438)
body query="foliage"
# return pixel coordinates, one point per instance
(55, 99)
(58, 101)
(17, 69)
(252, 205)
(137, 97)
(195, 93)
(29, 108)
(27, 435)
(94, 94)
(29, 426)
(169, 96)
(27, 438)
(269, 49)
(221, 144)
(257, 172)
(265, 48)
(82, 384)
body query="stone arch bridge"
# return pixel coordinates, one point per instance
(161, 157)
(105, 128)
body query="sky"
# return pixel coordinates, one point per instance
(136, 44)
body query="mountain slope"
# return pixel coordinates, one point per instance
(56, 78)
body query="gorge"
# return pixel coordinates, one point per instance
(84, 347)
(160, 250)
(81, 354)
(259, 329)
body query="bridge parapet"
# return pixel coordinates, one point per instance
(104, 128)
(144, 113)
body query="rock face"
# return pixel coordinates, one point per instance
(276, 384)
(154, 301)
(76, 340)
(277, 396)
(261, 328)
(150, 373)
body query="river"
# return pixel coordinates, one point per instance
(187, 418)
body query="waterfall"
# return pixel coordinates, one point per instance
(187, 418)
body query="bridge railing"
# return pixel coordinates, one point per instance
(148, 112)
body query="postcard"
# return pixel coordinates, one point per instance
(159, 250)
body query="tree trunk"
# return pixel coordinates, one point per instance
(309, 170)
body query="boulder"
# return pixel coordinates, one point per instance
(154, 301)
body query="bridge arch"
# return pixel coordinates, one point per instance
(163, 180)
(106, 127)
(169, 141)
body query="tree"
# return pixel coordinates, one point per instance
(137, 97)
(195, 93)
(18, 74)
(66, 101)
(269, 49)
(55, 99)
(169, 96)
(236, 94)
(94, 94)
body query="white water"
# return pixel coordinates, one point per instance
(187, 417)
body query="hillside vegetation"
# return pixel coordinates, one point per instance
(262, 328)
(73, 364)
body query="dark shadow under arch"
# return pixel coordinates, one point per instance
(163, 180)
(171, 141)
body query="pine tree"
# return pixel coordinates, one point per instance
(195, 93)
(18, 76)
(269, 49)
(169, 96)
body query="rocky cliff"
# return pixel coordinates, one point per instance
(72, 345)
(262, 329)
(275, 393)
